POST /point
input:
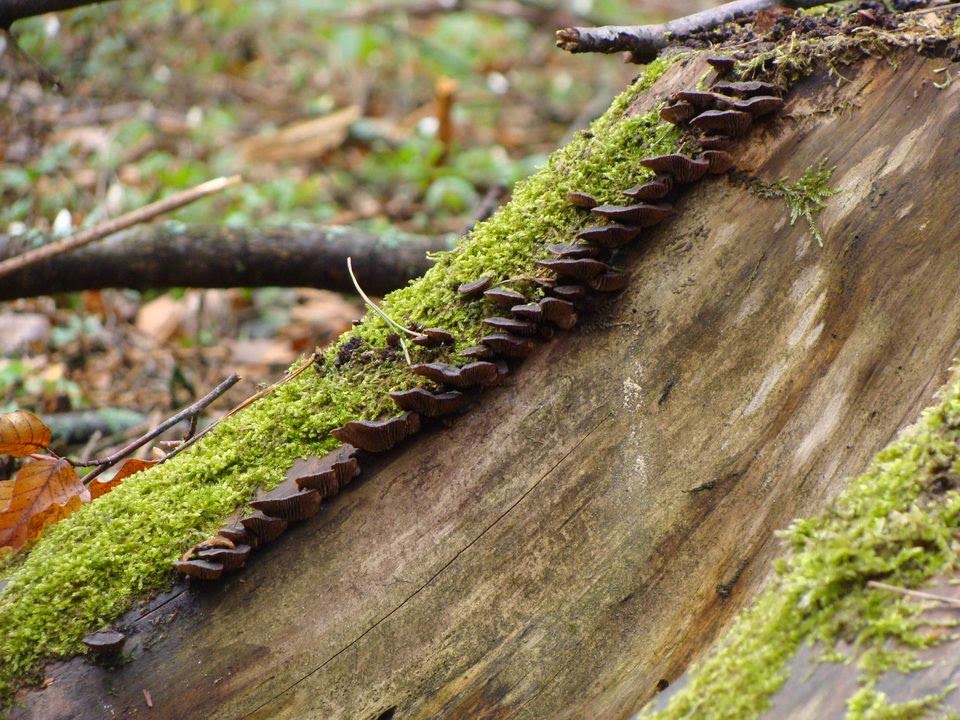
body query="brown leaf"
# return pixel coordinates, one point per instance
(43, 492)
(22, 433)
(128, 467)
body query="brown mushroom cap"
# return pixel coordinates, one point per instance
(678, 113)
(700, 99)
(512, 325)
(231, 558)
(716, 142)
(609, 236)
(502, 297)
(434, 337)
(336, 469)
(200, 569)
(238, 535)
(481, 373)
(723, 65)
(478, 352)
(290, 506)
(732, 123)
(720, 161)
(760, 105)
(528, 311)
(642, 214)
(561, 313)
(574, 250)
(581, 200)
(747, 88)
(653, 190)
(610, 281)
(265, 527)
(378, 435)
(430, 404)
(474, 287)
(681, 168)
(509, 346)
(570, 293)
(105, 642)
(581, 269)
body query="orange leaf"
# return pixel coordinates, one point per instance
(43, 492)
(22, 433)
(128, 467)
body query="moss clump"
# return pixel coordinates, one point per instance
(805, 198)
(888, 524)
(91, 567)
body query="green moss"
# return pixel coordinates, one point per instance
(91, 567)
(888, 524)
(805, 198)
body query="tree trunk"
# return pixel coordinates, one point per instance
(543, 556)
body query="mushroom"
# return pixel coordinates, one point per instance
(200, 569)
(699, 99)
(575, 250)
(529, 311)
(681, 168)
(265, 527)
(477, 352)
(503, 297)
(508, 345)
(481, 373)
(720, 161)
(581, 200)
(678, 113)
(336, 469)
(430, 404)
(581, 269)
(746, 89)
(760, 105)
(570, 293)
(291, 506)
(610, 281)
(433, 337)
(105, 643)
(609, 236)
(716, 142)
(378, 435)
(732, 123)
(653, 190)
(231, 558)
(561, 313)
(511, 325)
(238, 535)
(723, 65)
(474, 287)
(641, 214)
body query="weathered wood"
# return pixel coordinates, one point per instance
(540, 557)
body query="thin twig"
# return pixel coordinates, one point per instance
(919, 594)
(389, 320)
(189, 412)
(250, 400)
(939, 8)
(135, 217)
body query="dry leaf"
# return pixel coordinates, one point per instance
(128, 467)
(43, 492)
(304, 140)
(22, 433)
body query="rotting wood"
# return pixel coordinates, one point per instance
(556, 567)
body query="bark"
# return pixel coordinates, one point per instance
(645, 42)
(162, 256)
(13, 10)
(547, 560)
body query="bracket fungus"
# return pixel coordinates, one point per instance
(504, 297)
(641, 214)
(656, 189)
(610, 281)
(266, 527)
(680, 167)
(508, 346)
(580, 269)
(477, 352)
(581, 200)
(516, 326)
(561, 313)
(474, 287)
(759, 105)
(732, 123)
(574, 251)
(531, 312)
(105, 643)
(678, 113)
(433, 337)
(231, 558)
(716, 142)
(475, 374)
(609, 236)
(723, 65)
(720, 161)
(747, 88)
(199, 569)
(570, 293)
(292, 506)
(378, 435)
(429, 404)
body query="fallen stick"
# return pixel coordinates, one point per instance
(645, 42)
(135, 217)
(13, 10)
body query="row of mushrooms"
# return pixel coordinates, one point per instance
(572, 279)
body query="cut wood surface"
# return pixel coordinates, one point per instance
(540, 557)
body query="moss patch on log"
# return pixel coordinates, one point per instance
(90, 568)
(891, 523)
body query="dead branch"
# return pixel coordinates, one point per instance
(135, 217)
(645, 42)
(167, 255)
(13, 10)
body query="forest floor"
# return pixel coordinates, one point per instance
(414, 118)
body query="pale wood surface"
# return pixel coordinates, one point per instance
(539, 558)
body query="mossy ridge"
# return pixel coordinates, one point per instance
(91, 567)
(805, 198)
(884, 525)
